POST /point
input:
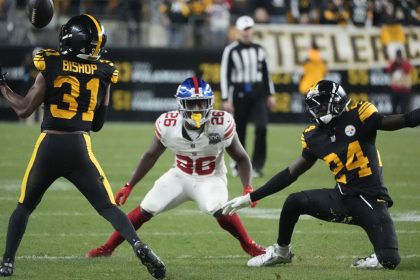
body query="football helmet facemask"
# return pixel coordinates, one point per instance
(325, 101)
(83, 36)
(195, 99)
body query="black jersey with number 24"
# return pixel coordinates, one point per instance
(349, 151)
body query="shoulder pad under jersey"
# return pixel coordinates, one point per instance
(365, 110)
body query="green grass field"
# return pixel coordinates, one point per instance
(192, 245)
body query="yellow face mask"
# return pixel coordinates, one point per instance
(196, 117)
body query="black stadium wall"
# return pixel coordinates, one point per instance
(149, 79)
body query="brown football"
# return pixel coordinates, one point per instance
(40, 12)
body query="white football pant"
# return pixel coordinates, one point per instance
(175, 187)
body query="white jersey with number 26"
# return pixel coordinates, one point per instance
(204, 155)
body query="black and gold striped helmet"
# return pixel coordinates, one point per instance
(83, 36)
(325, 101)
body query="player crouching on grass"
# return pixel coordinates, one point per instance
(344, 137)
(198, 136)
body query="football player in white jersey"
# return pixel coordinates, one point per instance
(198, 136)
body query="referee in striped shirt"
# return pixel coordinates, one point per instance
(247, 89)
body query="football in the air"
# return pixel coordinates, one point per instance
(40, 12)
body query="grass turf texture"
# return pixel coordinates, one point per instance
(192, 245)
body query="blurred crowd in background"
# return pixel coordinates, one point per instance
(202, 23)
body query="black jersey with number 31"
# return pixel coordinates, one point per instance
(75, 88)
(349, 151)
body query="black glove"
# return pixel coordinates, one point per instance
(2, 77)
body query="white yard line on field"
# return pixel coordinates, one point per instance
(187, 257)
(46, 257)
(257, 213)
(198, 233)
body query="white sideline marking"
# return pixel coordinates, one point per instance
(260, 213)
(355, 257)
(212, 257)
(46, 257)
(187, 257)
(197, 233)
(13, 185)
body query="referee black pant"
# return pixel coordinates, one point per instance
(252, 107)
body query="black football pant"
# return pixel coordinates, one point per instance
(69, 156)
(329, 205)
(252, 107)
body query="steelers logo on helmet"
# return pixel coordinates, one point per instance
(83, 36)
(325, 101)
(195, 100)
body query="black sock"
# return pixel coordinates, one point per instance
(17, 226)
(292, 209)
(121, 223)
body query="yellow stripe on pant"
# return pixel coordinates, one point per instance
(98, 167)
(28, 169)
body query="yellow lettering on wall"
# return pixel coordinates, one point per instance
(210, 72)
(282, 102)
(358, 77)
(121, 100)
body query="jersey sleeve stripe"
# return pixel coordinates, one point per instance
(229, 131)
(364, 106)
(158, 132)
(115, 75)
(303, 142)
(366, 111)
(39, 62)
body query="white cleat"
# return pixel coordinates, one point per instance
(272, 256)
(367, 262)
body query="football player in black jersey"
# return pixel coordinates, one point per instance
(344, 137)
(74, 85)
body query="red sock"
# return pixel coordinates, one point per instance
(137, 218)
(234, 226)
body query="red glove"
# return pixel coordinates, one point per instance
(123, 194)
(248, 189)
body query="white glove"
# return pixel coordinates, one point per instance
(235, 204)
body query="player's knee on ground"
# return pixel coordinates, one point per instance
(388, 258)
(296, 202)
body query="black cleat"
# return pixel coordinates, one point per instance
(6, 269)
(149, 259)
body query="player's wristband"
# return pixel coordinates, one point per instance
(128, 185)
(247, 187)
(412, 119)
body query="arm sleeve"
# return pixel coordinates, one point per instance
(374, 122)
(280, 181)
(412, 119)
